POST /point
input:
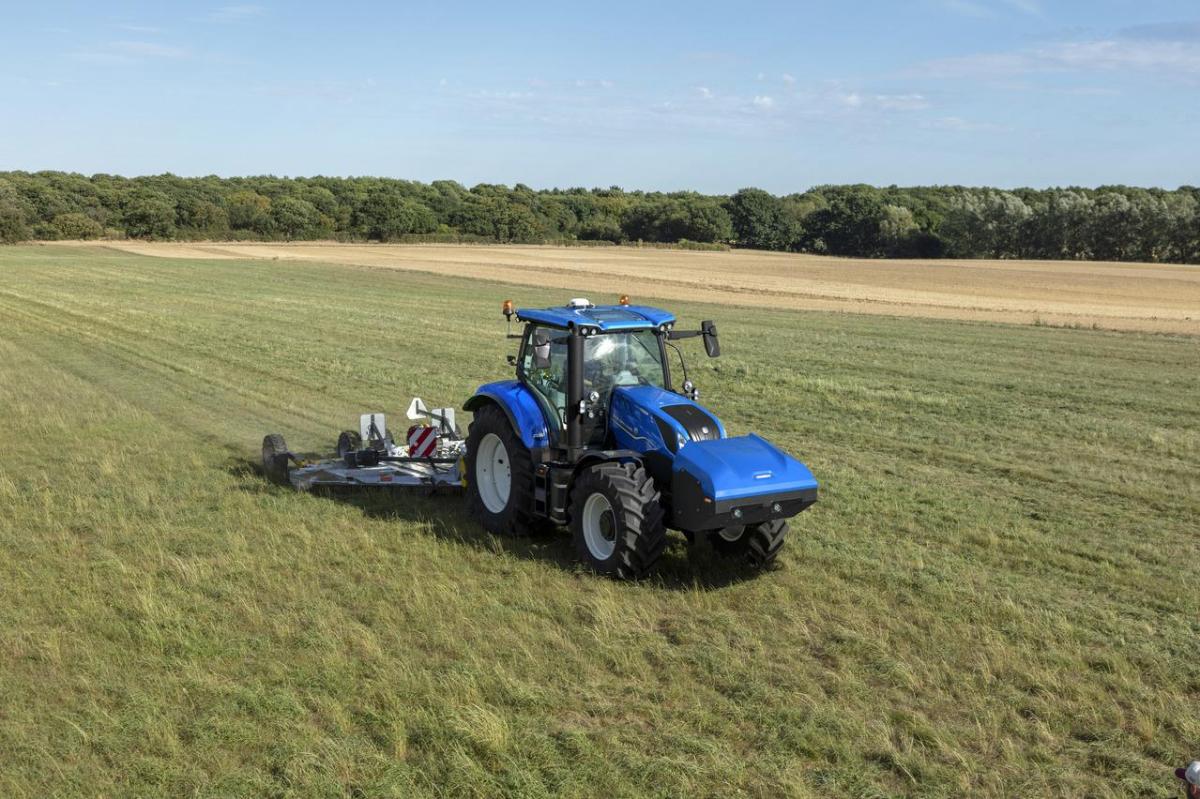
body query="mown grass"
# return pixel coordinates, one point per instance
(996, 594)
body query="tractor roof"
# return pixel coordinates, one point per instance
(606, 318)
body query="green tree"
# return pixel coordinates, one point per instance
(148, 214)
(385, 215)
(759, 220)
(295, 218)
(13, 225)
(249, 210)
(602, 227)
(78, 226)
(856, 222)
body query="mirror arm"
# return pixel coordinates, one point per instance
(682, 362)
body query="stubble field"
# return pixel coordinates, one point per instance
(1111, 296)
(995, 593)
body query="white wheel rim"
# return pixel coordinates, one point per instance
(599, 526)
(731, 534)
(493, 475)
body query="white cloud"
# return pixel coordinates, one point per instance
(502, 94)
(981, 9)
(1110, 54)
(128, 52)
(1188, 31)
(704, 92)
(968, 8)
(1030, 7)
(763, 102)
(236, 13)
(1155, 56)
(147, 49)
(901, 102)
(788, 79)
(139, 28)
(959, 125)
(853, 99)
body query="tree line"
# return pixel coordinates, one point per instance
(1116, 223)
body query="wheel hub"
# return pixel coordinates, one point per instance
(599, 526)
(493, 474)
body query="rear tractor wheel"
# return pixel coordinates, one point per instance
(499, 473)
(617, 520)
(757, 544)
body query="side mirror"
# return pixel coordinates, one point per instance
(541, 351)
(712, 345)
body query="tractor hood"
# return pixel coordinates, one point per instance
(737, 481)
(746, 466)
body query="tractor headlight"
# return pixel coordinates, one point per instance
(594, 397)
(737, 513)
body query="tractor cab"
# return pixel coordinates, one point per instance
(621, 346)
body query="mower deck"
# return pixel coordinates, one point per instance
(430, 458)
(431, 473)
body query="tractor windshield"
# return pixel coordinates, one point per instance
(632, 358)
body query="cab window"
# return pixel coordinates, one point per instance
(544, 367)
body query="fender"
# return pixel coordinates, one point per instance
(519, 405)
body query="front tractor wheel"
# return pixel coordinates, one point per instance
(499, 474)
(617, 520)
(758, 544)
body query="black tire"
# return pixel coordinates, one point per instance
(348, 441)
(759, 544)
(516, 517)
(636, 519)
(275, 458)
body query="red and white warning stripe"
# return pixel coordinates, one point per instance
(422, 442)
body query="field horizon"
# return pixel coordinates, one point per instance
(990, 598)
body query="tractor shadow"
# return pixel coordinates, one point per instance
(683, 567)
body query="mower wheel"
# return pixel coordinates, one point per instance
(499, 473)
(348, 441)
(759, 544)
(617, 520)
(275, 458)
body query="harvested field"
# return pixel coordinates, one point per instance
(1117, 296)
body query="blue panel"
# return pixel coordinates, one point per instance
(634, 412)
(737, 468)
(521, 406)
(606, 318)
(632, 421)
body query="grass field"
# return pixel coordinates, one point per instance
(996, 593)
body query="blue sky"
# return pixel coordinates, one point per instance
(650, 95)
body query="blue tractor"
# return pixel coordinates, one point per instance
(593, 434)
